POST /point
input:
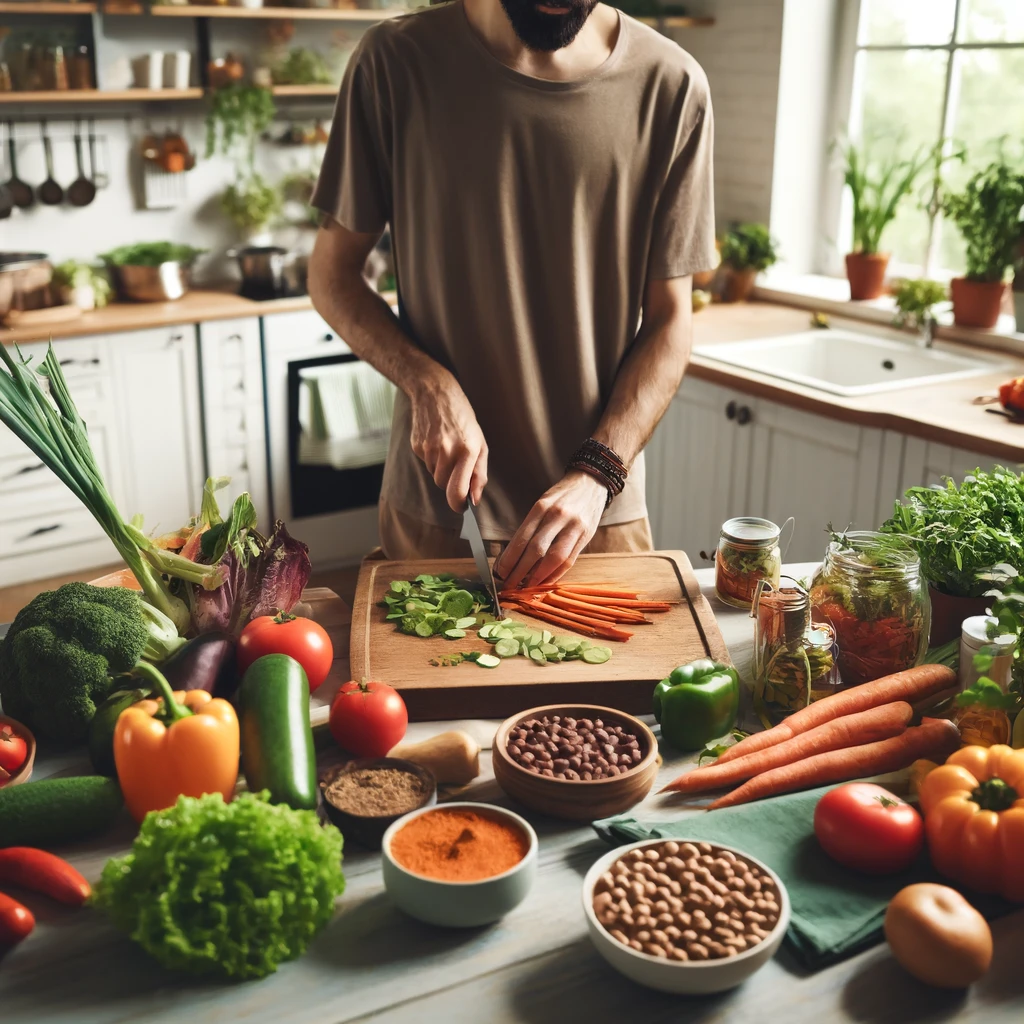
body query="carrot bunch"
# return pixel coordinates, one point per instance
(584, 608)
(863, 731)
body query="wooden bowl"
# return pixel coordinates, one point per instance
(24, 773)
(567, 798)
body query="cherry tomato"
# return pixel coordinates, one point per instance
(368, 719)
(302, 639)
(13, 749)
(865, 827)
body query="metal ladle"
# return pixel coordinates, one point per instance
(6, 202)
(50, 193)
(82, 191)
(21, 192)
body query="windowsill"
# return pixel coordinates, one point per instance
(832, 295)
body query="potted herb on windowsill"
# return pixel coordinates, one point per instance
(878, 187)
(988, 215)
(746, 250)
(970, 539)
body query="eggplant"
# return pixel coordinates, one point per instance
(204, 663)
(101, 728)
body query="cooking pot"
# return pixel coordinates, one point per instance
(25, 281)
(164, 282)
(270, 271)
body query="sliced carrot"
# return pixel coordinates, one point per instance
(590, 591)
(620, 602)
(597, 612)
(591, 627)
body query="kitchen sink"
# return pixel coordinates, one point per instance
(847, 363)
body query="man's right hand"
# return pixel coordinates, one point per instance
(447, 437)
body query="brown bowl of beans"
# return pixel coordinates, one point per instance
(580, 762)
(684, 916)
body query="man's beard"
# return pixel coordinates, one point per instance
(541, 31)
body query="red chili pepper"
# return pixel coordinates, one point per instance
(16, 921)
(43, 872)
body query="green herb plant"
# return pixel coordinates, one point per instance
(74, 274)
(301, 66)
(229, 890)
(915, 301)
(151, 254)
(251, 203)
(970, 537)
(988, 213)
(238, 116)
(749, 247)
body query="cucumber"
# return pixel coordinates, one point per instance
(277, 740)
(53, 812)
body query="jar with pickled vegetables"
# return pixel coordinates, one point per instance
(870, 590)
(748, 552)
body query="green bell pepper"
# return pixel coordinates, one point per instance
(697, 703)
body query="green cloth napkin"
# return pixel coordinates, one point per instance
(836, 912)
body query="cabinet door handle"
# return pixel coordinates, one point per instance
(730, 410)
(744, 415)
(328, 337)
(25, 470)
(38, 532)
(85, 362)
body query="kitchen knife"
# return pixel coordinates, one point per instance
(471, 532)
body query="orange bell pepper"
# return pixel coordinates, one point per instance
(185, 744)
(974, 819)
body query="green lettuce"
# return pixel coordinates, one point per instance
(225, 889)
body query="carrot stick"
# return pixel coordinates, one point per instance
(599, 612)
(869, 726)
(619, 602)
(911, 685)
(591, 591)
(573, 621)
(934, 739)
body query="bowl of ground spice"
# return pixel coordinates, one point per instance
(460, 865)
(363, 798)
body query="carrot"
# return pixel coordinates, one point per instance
(599, 612)
(591, 591)
(934, 739)
(619, 602)
(879, 723)
(910, 685)
(572, 621)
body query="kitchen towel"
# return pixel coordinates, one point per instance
(836, 912)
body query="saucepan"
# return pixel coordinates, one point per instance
(269, 271)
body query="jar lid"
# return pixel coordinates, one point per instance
(751, 530)
(974, 633)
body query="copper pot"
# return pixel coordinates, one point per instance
(25, 279)
(866, 274)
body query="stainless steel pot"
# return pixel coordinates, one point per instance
(269, 271)
(25, 281)
(165, 282)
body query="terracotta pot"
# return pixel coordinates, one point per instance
(949, 612)
(738, 284)
(866, 273)
(1018, 306)
(976, 303)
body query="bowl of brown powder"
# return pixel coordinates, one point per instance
(363, 798)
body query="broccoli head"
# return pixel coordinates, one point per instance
(59, 656)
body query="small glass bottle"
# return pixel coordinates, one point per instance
(81, 69)
(980, 725)
(748, 552)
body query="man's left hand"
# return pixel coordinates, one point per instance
(558, 528)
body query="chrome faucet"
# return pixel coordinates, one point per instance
(926, 336)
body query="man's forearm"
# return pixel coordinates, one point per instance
(649, 377)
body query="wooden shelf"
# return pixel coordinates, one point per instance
(676, 21)
(35, 7)
(306, 90)
(284, 13)
(101, 96)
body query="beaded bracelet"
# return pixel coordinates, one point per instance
(603, 464)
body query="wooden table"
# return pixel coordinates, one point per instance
(536, 966)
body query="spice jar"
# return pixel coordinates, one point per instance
(981, 724)
(794, 657)
(748, 552)
(870, 590)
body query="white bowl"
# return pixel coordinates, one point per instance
(460, 904)
(690, 977)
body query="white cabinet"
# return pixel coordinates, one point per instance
(233, 411)
(159, 425)
(927, 463)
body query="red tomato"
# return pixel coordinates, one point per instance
(865, 827)
(13, 749)
(302, 639)
(368, 719)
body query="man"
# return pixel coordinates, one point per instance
(546, 172)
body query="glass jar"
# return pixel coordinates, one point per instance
(794, 658)
(870, 590)
(748, 552)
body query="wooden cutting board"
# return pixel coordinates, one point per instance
(626, 682)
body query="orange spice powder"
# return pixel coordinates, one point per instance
(458, 845)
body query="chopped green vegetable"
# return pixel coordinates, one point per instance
(506, 648)
(596, 655)
(433, 605)
(488, 661)
(455, 634)
(225, 889)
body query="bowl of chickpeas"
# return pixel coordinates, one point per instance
(684, 916)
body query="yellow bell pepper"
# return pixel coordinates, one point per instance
(974, 818)
(185, 744)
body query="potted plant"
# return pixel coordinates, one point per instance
(747, 249)
(915, 301)
(878, 186)
(84, 285)
(1018, 288)
(252, 204)
(987, 213)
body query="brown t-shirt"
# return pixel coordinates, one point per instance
(526, 217)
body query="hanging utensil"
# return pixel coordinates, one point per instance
(6, 202)
(20, 190)
(81, 192)
(100, 179)
(49, 193)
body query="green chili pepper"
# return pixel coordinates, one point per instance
(697, 703)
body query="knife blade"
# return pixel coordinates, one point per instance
(471, 532)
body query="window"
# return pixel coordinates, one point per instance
(932, 69)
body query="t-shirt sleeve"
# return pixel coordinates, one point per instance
(683, 240)
(354, 187)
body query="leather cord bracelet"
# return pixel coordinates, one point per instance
(603, 464)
